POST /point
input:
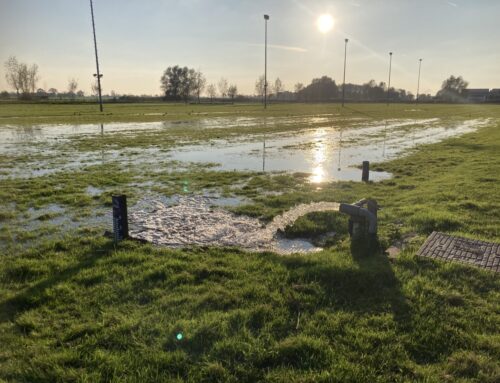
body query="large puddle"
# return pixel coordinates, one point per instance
(318, 146)
(327, 153)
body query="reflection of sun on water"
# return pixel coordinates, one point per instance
(319, 157)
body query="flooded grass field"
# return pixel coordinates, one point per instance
(327, 148)
(247, 259)
(312, 149)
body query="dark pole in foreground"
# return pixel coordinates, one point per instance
(389, 83)
(418, 83)
(98, 75)
(345, 60)
(266, 17)
(365, 173)
(120, 219)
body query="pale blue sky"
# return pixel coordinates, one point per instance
(139, 39)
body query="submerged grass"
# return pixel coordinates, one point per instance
(75, 307)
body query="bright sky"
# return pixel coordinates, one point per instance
(138, 39)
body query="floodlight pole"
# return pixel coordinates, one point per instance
(98, 74)
(266, 18)
(418, 83)
(389, 83)
(345, 61)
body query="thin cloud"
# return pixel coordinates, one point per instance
(282, 47)
(452, 4)
(303, 6)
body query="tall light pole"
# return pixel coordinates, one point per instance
(266, 18)
(98, 74)
(345, 61)
(418, 82)
(389, 83)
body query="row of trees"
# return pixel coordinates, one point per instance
(453, 89)
(23, 78)
(272, 89)
(182, 83)
(325, 89)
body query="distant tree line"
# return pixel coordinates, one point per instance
(187, 84)
(325, 89)
(23, 78)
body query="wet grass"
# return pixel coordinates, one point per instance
(32, 113)
(75, 307)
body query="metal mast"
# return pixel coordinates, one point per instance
(345, 60)
(418, 83)
(98, 74)
(389, 83)
(266, 18)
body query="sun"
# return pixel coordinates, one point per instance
(325, 23)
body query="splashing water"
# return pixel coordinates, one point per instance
(194, 221)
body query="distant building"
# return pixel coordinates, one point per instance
(494, 95)
(477, 95)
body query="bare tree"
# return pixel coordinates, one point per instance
(259, 87)
(232, 91)
(12, 73)
(72, 86)
(212, 92)
(32, 77)
(222, 85)
(199, 82)
(21, 77)
(94, 88)
(53, 91)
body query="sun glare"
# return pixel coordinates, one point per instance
(325, 23)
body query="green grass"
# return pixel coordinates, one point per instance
(46, 113)
(76, 308)
(82, 310)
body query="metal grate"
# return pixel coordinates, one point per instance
(449, 248)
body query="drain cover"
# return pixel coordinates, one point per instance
(449, 248)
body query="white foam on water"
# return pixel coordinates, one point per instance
(194, 221)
